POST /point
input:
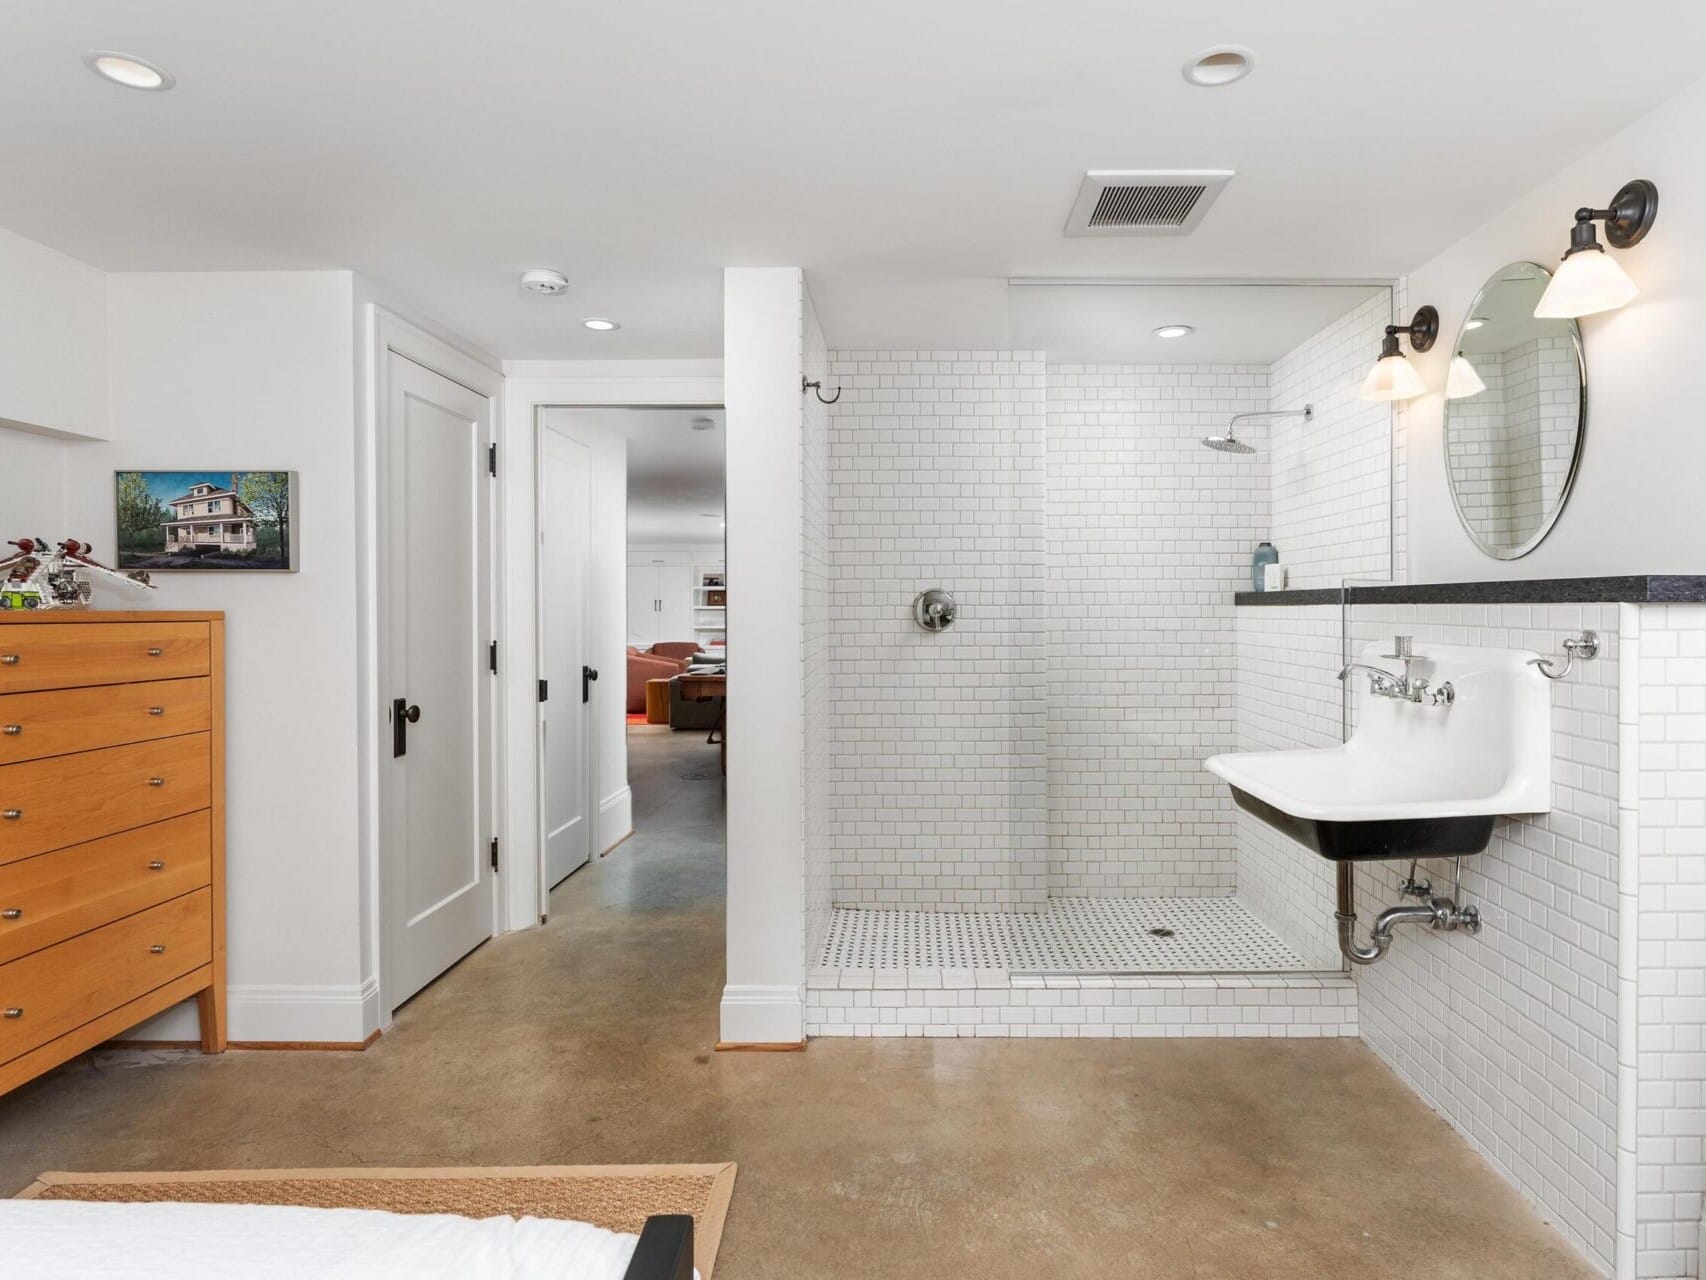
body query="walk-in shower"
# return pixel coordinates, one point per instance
(1018, 802)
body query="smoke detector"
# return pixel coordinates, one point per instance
(1144, 202)
(544, 280)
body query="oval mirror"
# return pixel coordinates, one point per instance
(1515, 414)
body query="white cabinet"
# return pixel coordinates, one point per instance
(660, 603)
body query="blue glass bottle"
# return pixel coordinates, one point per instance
(1265, 555)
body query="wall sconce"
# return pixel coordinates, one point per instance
(1392, 377)
(1461, 381)
(1589, 280)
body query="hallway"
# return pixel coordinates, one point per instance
(590, 1041)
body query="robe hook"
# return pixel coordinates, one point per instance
(817, 389)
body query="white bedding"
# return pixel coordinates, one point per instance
(67, 1240)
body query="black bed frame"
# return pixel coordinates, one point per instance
(665, 1251)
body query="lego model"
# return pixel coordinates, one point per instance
(36, 577)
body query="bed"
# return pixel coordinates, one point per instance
(83, 1240)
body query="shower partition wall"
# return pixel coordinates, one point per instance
(1023, 793)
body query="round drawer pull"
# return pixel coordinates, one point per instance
(8, 659)
(156, 782)
(156, 711)
(14, 1012)
(12, 730)
(11, 815)
(156, 865)
(155, 653)
(12, 913)
(158, 949)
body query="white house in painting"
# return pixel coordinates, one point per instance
(208, 516)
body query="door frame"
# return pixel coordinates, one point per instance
(589, 729)
(530, 386)
(385, 333)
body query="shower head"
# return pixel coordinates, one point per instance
(1230, 443)
(1227, 443)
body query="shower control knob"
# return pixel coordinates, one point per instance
(934, 609)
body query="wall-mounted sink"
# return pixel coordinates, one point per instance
(1422, 778)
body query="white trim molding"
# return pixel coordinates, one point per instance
(615, 819)
(763, 1015)
(260, 1013)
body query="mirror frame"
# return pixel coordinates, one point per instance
(1557, 508)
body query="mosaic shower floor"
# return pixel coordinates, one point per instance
(1069, 935)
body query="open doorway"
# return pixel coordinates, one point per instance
(633, 593)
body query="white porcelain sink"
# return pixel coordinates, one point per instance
(1415, 779)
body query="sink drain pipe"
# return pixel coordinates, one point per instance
(1438, 913)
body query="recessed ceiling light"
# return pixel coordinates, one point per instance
(546, 281)
(703, 424)
(600, 323)
(1474, 322)
(1174, 331)
(127, 69)
(1220, 65)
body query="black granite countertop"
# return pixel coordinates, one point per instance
(1639, 589)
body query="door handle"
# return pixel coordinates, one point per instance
(402, 716)
(588, 675)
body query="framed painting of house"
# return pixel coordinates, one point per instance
(206, 520)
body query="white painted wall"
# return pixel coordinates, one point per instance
(255, 369)
(53, 379)
(53, 346)
(1635, 508)
(762, 367)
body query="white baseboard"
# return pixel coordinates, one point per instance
(615, 819)
(762, 1015)
(259, 1013)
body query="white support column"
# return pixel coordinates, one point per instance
(762, 367)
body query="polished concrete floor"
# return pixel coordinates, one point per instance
(590, 1040)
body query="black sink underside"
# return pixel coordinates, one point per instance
(1387, 838)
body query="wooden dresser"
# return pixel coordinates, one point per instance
(112, 829)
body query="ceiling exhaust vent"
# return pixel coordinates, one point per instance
(1144, 202)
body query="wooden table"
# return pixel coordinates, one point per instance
(703, 689)
(657, 701)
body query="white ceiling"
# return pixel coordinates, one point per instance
(1235, 324)
(441, 148)
(675, 474)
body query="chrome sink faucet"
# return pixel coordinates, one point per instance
(1404, 688)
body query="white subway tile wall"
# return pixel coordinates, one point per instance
(1670, 1048)
(1288, 698)
(1509, 1034)
(817, 622)
(1149, 535)
(1332, 477)
(937, 790)
(950, 1003)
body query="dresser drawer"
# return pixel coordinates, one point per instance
(68, 655)
(48, 804)
(52, 896)
(59, 721)
(50, 992)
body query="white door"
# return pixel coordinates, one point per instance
(643, 605)
(565, 541)
(435, 624)
(675, 602)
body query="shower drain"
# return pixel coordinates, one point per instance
(1161, 932)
